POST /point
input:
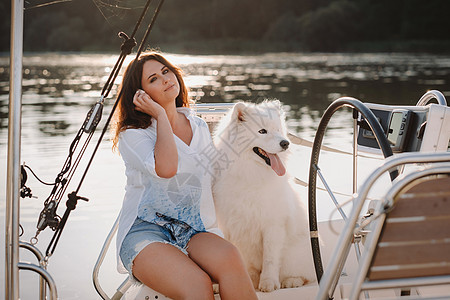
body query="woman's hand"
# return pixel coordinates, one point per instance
(147, 105)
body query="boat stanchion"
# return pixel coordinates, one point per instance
(13, 175)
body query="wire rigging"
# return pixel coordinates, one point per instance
(115, 10)
(46, 4)
(48, 216)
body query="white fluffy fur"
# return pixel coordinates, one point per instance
(257, 210)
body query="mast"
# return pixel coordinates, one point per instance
(13, 159)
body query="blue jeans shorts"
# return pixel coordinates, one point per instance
(142, 233)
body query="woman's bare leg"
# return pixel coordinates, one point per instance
(223, 262)
(167, 270)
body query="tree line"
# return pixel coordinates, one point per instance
(238, 25)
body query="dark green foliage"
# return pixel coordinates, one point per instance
(233, 25)
(5, 20)
(330, 28)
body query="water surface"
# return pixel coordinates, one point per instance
(59, 89)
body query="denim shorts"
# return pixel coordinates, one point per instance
(142, 233)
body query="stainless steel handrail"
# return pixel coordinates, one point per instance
(344, 242)
(101, 257)
(430, 95)
(95, 274)
(42, 263)
(388, 201)
(44, 274)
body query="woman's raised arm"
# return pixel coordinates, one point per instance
(166, 154)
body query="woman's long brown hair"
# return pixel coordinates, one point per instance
(126, 116)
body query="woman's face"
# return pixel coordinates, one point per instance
(159, 82)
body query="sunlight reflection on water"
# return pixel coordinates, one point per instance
(58, 90)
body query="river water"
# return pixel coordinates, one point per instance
(59, 89)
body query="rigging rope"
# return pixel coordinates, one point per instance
(35, 176)
(48, 216)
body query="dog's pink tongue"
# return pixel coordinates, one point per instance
(276, 164)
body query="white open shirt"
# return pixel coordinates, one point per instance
(187, 196)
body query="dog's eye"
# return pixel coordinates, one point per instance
(262, 131)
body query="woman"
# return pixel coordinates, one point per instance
(168, 237)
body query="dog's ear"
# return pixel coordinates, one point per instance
(277, 103)
(239, 111)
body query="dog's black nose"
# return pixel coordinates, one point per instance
(284, 144)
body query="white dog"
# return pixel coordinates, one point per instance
(257, 207)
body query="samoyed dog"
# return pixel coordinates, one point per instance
(257, 207)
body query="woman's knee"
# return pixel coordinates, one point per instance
(197, 287)
(231, 257)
